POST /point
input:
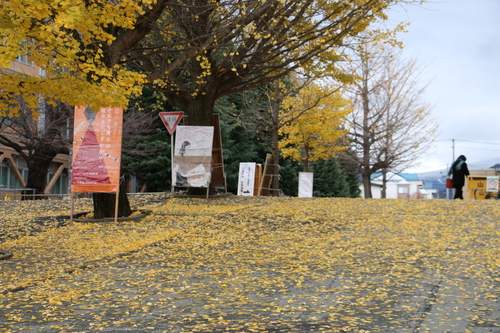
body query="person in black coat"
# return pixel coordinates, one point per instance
(459, 171)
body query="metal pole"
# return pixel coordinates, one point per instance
(172, 162)
(453, 156)
(447, 189)
(453, 149)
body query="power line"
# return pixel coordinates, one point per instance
(462, 147)
(486, 143)
(481, 142)
(484, 149)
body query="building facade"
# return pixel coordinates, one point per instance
(399, 186)
(14, 169)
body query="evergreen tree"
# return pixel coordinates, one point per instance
(240, 138)
(245, 139)
(289, 176)
(146, 153)
(239, 145)
(353, 183)
(329, 180)
(154, 169)
(350, 169)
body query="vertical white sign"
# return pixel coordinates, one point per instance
(492, 183)
(305, 184)
(246, 179)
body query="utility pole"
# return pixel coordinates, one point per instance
(452, 161)
(453, 149)
(447, 189)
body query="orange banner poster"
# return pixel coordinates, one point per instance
(97, 146)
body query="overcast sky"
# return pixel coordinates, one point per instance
(458, 43)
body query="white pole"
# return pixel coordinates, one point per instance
(172, 162)
(453, 149)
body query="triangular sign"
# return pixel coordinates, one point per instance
(171, 120)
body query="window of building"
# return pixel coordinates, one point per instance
(4, 175)
(66, 131)
(403, 189)
(23, 59)
(8, 177)
(22, 166)
(61, 184)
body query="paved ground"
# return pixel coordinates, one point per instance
(265, 265)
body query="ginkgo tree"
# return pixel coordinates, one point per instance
(287, 103)
(315, 134)
(78, 46)
(100, 52)
(200, 51)
(242, 45)
(391, 125)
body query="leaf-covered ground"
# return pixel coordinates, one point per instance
(239, 264)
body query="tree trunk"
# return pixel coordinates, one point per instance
(305, 161)
(276, 171)
(367, 186)
(38, 167)
(366, 173)
(384, 183)
(200, 111)
(366, 167)
(275, 142)
(104, 204)
(199, 108)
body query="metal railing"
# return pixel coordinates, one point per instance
(24, 193)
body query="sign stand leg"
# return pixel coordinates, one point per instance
(72, 210)
(116, 206)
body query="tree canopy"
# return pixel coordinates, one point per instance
(77, 46)
(202, 50)
(98, 52)
(314, 135)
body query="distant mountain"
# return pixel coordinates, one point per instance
(435, 180)
(484, 164)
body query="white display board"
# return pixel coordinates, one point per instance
(492, 183)
(192, 156)
(246, 179)
(305, 184)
